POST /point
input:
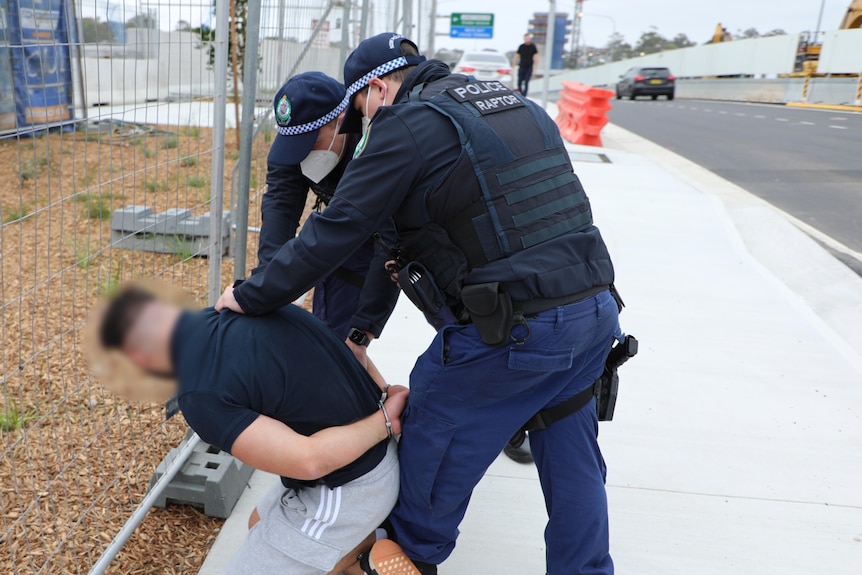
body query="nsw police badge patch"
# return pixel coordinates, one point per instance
(360, 147)
(283, 110)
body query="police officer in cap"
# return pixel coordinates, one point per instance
(357, 298)
(497, 244)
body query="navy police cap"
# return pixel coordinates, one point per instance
(374, 57)
(306, 103)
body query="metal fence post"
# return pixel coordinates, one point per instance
(549, 49)
(219, 128)
(246, 137)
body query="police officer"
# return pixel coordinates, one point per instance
(496, 242)
(357, 298)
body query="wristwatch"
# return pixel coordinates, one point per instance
(359, 337)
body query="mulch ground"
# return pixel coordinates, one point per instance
(75, 460)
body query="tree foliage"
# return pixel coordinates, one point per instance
(94, 30)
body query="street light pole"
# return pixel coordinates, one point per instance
(613, 26)
(819, 21)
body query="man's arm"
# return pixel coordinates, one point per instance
(372, 188)
(536, 58)
(270, 445)
(280, 209)
(516, 59)
(379, 294)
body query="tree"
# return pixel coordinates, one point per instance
(618, 49)
(682, 41)
(94, 30)
(749, 33)
(182, 26)
(652, 42)
(775, 32)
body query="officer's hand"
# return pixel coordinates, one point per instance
(392, 267)
(360, 351)
(227, 301)
(395, 404)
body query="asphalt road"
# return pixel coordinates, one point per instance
(806, 162)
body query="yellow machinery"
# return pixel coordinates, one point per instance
(721, 34)
(808, 53)
(853, 18)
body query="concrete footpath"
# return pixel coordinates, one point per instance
(736, 446)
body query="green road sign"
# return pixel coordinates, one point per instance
(468, 25)
(473, 20)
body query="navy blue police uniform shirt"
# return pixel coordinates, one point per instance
(281, 209)
(409, 151)
(287, 365)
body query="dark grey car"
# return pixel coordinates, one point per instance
(642, 81)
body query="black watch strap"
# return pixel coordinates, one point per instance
(359, 337)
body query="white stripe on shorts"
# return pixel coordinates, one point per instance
(327, 512)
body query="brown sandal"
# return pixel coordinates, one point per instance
(387, 558)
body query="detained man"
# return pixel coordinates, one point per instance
(289, 398)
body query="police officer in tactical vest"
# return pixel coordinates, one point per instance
(496, 244)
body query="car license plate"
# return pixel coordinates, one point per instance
(655, 81)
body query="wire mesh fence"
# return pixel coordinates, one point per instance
(115, 142)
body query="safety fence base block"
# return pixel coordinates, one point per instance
(175, 231)
(211, 479)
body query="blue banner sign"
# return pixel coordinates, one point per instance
(7, 90)
(41, 71)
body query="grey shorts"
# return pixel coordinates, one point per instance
(308, 531)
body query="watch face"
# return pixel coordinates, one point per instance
(359, 337)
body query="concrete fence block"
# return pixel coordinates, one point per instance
(174, 231)
(211, 479)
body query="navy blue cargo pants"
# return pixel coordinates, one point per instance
(467, 399)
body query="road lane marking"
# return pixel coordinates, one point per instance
(722, 111)
(839, 127)
(808, 123)
(782, 119)
(760, 117)
(838, 119)
(739, 114)
(707, 109)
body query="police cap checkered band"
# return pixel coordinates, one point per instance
(316, 124)
(377, 72)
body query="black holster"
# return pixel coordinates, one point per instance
(490, 308)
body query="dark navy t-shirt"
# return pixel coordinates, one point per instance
(286, 365)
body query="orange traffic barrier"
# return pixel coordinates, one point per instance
(583, 113)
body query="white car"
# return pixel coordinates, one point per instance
(485, 66)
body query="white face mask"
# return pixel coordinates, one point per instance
(318, 163)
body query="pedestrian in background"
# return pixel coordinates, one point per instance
(525, 58)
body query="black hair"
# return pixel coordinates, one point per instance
(122, 314)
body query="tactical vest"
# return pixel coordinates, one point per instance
(511, 189)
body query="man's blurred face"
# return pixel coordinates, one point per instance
(528, 39)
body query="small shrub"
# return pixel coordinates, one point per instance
(170, 143)
(188, 161)
(191, 131)
(196, 181)
(15, 214)
(148, 153)
(155, 186)
(11, 419)
(98, 208)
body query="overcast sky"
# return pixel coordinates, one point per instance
(697, 19)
